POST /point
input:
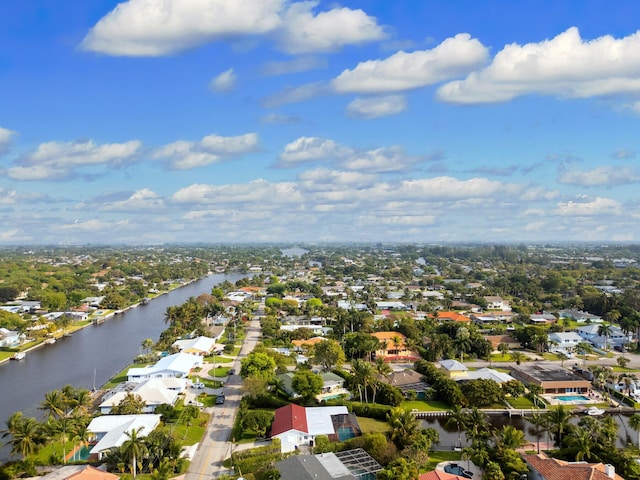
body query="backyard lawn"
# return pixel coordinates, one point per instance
(371, 425)
(436, 457)
(424, 405)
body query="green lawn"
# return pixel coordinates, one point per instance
(219, 372)
(436, 457)
(188, 435)
(218, 359)
(521, 402)
(424, 405)
(625, 369)
(371, 425)
(5, 355)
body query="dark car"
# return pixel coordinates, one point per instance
(219, 399)
(232, 371)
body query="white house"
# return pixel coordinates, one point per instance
(177, 365)
(110, 431)
(9, 338)
(617, 337)
(497, 303)
(580, 316)
(195, 346)
(563, 342)
(154, 392)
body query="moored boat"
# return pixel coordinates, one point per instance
(594, 411)
(18, 356)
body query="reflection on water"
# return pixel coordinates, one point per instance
(449, 435)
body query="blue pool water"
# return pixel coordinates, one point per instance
(345, 433)
(572, 398)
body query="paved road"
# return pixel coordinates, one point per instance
(215, 445)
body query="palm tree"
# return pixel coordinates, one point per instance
(605, 331)
(55, 403)
(189, 414)
(510, 437)
(458, 417)
(404, 427)
(582, 440)
(539, 423)
(559, 421)
(535, 391)
(477, 426)
(363, 376)
(634, 423)
(383, 370)
(518, 357)
(25, 433)
(134, 448)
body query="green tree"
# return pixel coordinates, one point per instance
(187, 416)
(400, 469)
(307, 384)
(558, 418)
(26, 435)
(258, 364)
(257, 421)
(131, 404)
(405, 427)
(134, 449)
(458, 418)
(634, 423)
(482, 392)
(328, 354)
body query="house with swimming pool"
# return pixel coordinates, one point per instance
(552, 378)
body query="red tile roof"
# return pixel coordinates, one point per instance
(554, 469)
(289, 417)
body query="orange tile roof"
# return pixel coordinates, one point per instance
(437, 475)
(454, 316)
(92, 473)
(554, 469)
(388, 336)
(310, 341)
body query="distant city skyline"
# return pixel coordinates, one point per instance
(174, 121)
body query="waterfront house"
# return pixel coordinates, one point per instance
(552, 378)
(153, 392)
(407, 381)
(195, 346)
(177, 365)
(542, 467)
(354, 464)
(296, 425)
(110, 431)
(9, 338)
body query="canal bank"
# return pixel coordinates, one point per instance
(95, 352)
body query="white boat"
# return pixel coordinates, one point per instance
(594, 411)
(50, 341)
(18, 356)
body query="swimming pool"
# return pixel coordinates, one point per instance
(572, 398)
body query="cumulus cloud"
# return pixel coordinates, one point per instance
(224, 82)
(565, 66)
(59, 160)
(297, 65)
(154, 28)
(379, 160)
(140, 201)
(624, 154)
(328, 31)
(5, 139)
(600, 176)
(258, 192)
(376, 107)
(403, 71)
(185, 155)
(587, 207)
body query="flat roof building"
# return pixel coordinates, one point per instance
(552, 378)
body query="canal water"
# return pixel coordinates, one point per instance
(449, 434)
(101, 349)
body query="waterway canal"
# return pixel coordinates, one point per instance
(104, 349)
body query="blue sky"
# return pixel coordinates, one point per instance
(151, 121)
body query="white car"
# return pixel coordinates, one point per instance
(197, 385)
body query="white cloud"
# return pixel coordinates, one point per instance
(397, 220)
(600, 176)
(451, 188)
(141, 201)
(304, 32)
(321, 177)
(276, 118)
(161, 27)
(296, 94)
(185, 155)
(376, 107)
(258, 192)
(388, 159)
(297, 65)
(223, 83)
(586, 207)
(403, 71)
(565, 66)
(624, 154)
(306, 149)
(58, 160)
(5, 139)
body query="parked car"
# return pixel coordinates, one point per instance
(232, 371)
(220, 399)
(197, 385)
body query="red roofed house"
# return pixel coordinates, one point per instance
(393, 347)
(453, 317)
(295, 425)
(545, 468)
